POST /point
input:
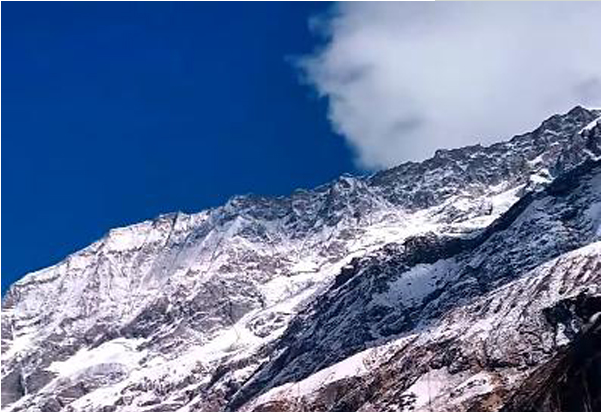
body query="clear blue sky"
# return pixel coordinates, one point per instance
(113, 113)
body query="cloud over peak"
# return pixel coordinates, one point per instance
(404, 79)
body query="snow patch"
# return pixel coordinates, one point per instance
(415, 284)
(120, 352)
(590, 125)
(356, 365)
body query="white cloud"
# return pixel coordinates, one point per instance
(404, 79)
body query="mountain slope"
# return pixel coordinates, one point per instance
(217, 310)
(468, 324)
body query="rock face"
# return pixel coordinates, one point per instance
(467, 282)
(569, 381)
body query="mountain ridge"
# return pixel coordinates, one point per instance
(221, 288)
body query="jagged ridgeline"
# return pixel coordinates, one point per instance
(466, 282)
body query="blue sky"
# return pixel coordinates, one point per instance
(116, 112)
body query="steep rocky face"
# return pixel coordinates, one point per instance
(391, 294)
(569, 381)
(386, 275)
(473, 359)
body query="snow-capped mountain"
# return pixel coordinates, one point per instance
(459, 283)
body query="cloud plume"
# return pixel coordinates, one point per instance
(403, 79)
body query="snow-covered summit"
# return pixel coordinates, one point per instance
(210, 310)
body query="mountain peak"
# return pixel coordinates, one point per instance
(269, 302)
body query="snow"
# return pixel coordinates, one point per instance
(561, 337)
(305, 266)
(590, 125)
(18, 345)
(501, 202)
(541, 178)
(353, 366)
(286, 288)
(120, 352)
(478, 384)
(536, 161)
(412, 286)
(127, 238)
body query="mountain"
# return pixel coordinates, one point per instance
(466, 282)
